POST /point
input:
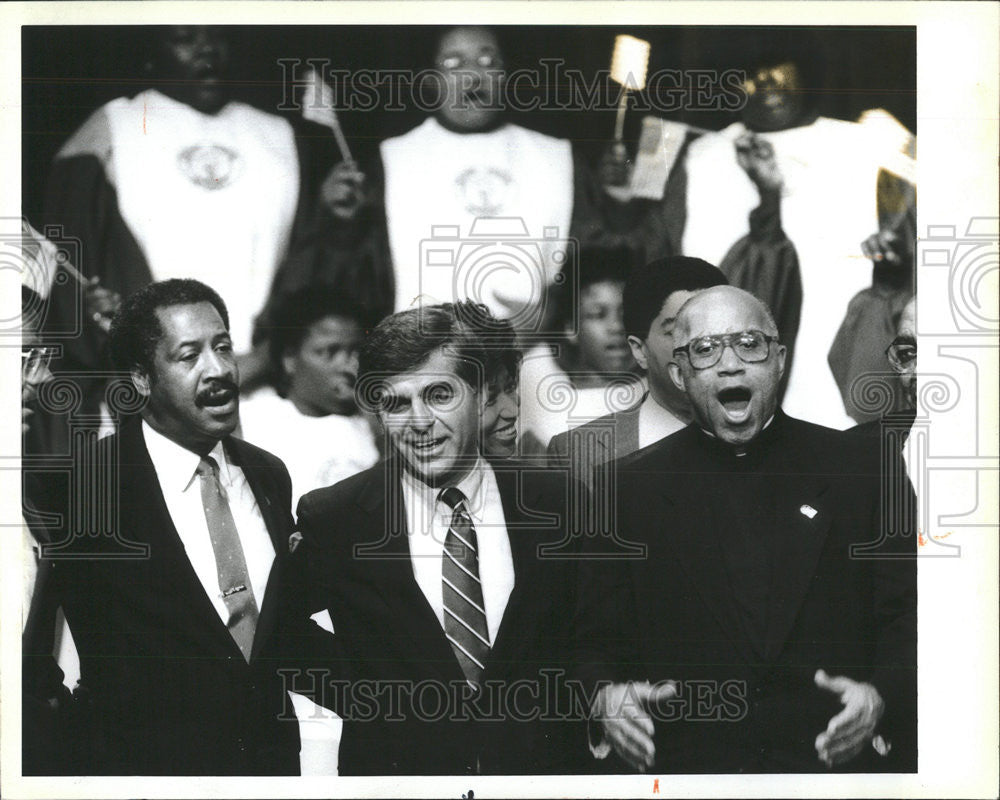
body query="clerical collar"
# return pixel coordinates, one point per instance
(767, 434)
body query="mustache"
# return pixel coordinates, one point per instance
(217, 393)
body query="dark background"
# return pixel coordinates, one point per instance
(69, 71)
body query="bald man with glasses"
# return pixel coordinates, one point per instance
(770, 624)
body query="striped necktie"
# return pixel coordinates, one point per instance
(234, 578)
(464, 611)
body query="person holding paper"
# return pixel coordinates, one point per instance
(821, 173)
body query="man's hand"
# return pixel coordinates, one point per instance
(622, 711)
(756, 157)
(852, 730)
(343, 190)
(101, 304)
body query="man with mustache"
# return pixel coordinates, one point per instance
(170, 564)
(771, 624)
(434, 569)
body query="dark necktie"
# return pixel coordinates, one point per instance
(464, 611)
(234, 578)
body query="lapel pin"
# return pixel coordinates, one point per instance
(808, 510)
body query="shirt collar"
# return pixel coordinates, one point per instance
(472, 486)
(176, 466)
(766, 434)
(659, 416)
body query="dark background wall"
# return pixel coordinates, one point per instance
(69, 71)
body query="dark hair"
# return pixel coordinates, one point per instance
(594, 264)
(136, 329)
(405, 340)
(292, 314)
(794, 45)
(648, 288)
(498, 338)
(350, 271)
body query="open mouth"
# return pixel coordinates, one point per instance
(206, 70)
(507, 432)
(426, 446)
(217, 398)
(476, 98)
(735, 402)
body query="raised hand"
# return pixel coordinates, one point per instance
(756, 157)
(343, 190)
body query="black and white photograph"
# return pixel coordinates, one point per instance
(425, 399)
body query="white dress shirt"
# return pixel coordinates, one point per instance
(176, 472)
(656, 422)
(428, 520)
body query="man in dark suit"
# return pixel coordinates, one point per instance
(652, 297)
(452, 614)
(771, 625)
(170, 564)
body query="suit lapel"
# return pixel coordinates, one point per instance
(386, 548)
(627, 431)
(803, 523)
(151, 522)
(523, 550)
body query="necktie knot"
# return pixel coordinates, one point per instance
(452, 496)
(208, 467)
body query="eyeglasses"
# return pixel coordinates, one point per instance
(706, 351)
(902, 353)
(34, 361)
(482, 61)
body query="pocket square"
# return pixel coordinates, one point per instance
(808, 510)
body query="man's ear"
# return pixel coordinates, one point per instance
(288, 363)
(140, 380)
(482, 394)
(676, 375)
(638, 348)
(782, 352)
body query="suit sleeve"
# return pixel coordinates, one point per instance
(312, 655)
(604, 634)
(558, 450)
(894, 608)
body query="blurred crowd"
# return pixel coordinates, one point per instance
(811, 214)
(576, 277)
